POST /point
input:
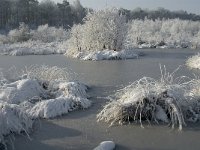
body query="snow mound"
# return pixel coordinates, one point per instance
(105, 55)
(13, 120)
(194, 62)
(56, 99)
(43, 92)
(32, 48)
(21, 90)
(57, 107)
(68, 96)
(150, 100)
(106, 145)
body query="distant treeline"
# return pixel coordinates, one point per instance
(34, 13)
(159, 13)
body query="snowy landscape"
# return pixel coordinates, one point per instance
(73, 77)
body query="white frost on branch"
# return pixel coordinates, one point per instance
(104, 29)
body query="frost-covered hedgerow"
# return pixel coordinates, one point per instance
(194, 62)
(43, 33)
(19, 35)
(43, 41)
(169, 33)
(47, 34)
(169, 100)
(32, 48)
(103, 29)
(37, 92)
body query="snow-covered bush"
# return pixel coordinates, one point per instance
(46, 73)
(21, 34)
(166, 100)
(3, 39)
(13, 120)
(103, 29)
(37, 92)
(174, 33)
(44, 33)
(48, 34)
(194, 62)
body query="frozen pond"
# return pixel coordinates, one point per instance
(79, 130)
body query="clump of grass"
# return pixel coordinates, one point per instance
(13, 120)
(149, 100)
(194, 62)
(46, 73)
(37, 92)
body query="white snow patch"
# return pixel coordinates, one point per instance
(57, 107)
(106, 145)
(21, 90)
(105, 55)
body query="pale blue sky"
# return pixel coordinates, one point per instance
(188, 5)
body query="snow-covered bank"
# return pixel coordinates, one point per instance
(194, 62)
(171, 33)
(32, 48)
(43, 92)
(105, 55)
(170, 100)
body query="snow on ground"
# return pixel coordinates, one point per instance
(105, 55)
(194, 62)
(106, 145)
(150, 100)
(32, 48)
(32, 97)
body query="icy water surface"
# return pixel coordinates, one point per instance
(80, 131)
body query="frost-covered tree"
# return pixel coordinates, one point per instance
(104, 29)
(171, 32)
(78, 11)
(21, 34)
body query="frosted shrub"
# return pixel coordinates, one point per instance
(151, 100)
(46, 73)
(104, 29)
(42, 73)
(13, 120)
(21, 34)
(37, 92)
(48, 34)
(171, 33)
(194, 62)
(3, 39)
